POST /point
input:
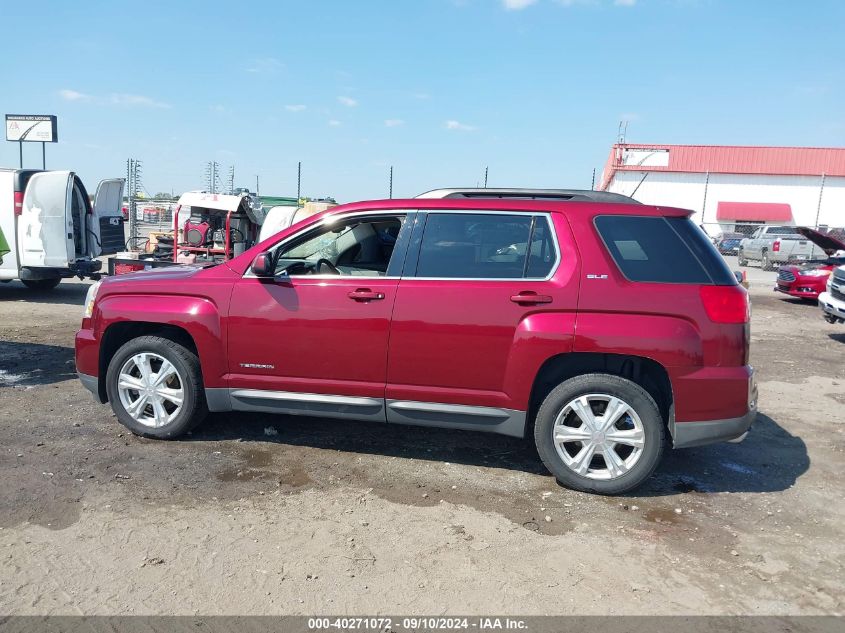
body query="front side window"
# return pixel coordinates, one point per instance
(486, 246)
(359, 247)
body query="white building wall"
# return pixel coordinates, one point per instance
(686, 190)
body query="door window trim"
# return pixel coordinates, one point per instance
(412, 258)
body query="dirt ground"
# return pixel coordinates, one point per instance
(257, 514)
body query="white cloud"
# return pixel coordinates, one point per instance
(73, 95)
(334, 123)
(516, 5)
(298, 107)
(393, 122)
(218, 108)
(457, 125)
(264, 66)
(137, 100)
(349, 102)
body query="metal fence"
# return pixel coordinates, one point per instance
(150, 216)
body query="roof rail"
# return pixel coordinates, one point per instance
(561, 195)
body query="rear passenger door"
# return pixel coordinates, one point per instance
(462, 331)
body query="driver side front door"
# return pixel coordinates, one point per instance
(315, 343)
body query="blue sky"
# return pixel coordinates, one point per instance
(438, 88)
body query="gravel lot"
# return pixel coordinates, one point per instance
(256, 514)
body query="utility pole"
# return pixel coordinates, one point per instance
(133, 186)
(212, 176)
(298, 181)
(390, 186)
(231, 183)
(819, 205)
(485, 176)
(256, 185)
(593, 183)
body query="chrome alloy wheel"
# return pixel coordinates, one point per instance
(150, 389)
(598, 436)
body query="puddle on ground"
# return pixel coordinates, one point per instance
(255, 467)
(663, 516)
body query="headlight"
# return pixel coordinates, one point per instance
(90, 298)
(818, 272)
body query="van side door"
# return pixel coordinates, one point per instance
(45, 226)
(106, 221)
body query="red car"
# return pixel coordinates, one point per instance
(809, 279)
(604, 328)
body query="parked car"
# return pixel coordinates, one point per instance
(605, 330)
(832, 301)
(772, 245)
(53, 229)
(4, 246)
(809, 279)
(728, 243)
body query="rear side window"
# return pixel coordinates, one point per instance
(486, 246)
(663, 250)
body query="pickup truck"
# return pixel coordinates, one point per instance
(772, 245)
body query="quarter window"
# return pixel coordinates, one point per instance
(486, 246)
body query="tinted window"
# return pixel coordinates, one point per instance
(542, 256)
(476, 246)
(701, 246)
(660, 249)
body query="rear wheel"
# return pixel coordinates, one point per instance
(155, 387)
(41, 284)
(600, 433)
(765, 264)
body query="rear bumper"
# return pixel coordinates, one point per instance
(700, 433)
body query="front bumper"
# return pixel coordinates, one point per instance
(92, 384)
(689, 434)
(832, 307)
(799, 290)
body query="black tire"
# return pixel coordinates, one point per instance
(41, 284)
(765, 264)
(654, 432)
(740, 258)
(187, 365)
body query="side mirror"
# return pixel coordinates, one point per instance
(262, 265)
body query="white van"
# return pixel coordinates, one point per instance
(53, 230)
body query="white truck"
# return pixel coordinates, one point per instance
(774, 245)
(53, 229)
(832, 302)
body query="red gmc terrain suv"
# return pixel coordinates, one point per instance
(606, 328)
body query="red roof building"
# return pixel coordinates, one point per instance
(731, 185)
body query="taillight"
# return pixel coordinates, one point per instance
(725, 304)
(18, 202)
(776, 245)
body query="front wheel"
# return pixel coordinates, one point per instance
(155, 387)
(740, 258)
(600, 433)
(41, 284)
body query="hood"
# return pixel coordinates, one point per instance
(826, 241)
(164, 273)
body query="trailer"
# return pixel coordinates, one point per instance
(208, 228)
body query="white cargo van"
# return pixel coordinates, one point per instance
(52, 228)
